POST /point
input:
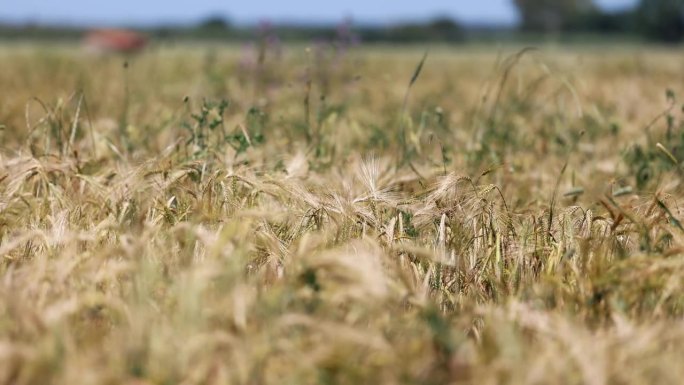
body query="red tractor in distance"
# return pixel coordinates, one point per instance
(114, 41)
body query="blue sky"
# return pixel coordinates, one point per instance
(249, 11)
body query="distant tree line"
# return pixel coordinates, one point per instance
(660, 20)
(657, 20)
(439, 29)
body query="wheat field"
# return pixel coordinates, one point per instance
(315, 215)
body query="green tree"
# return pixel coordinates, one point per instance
(554, 15)
(215, 22)
(662, 19)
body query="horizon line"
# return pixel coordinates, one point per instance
(251, 22)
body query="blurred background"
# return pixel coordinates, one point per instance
(352, 21)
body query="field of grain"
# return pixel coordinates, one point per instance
(313, 215)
